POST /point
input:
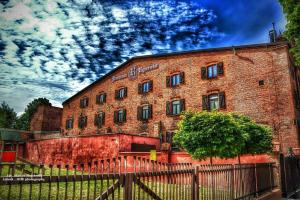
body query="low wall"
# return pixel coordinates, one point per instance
(183, 157)
(82, 149)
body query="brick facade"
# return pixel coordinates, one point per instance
(46, 118)
(257, 80)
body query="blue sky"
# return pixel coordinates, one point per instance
(54, 48)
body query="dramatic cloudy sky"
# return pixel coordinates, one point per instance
(54, 48)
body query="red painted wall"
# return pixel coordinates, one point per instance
(182, 157)
(75, 150)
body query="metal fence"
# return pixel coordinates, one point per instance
(290, 175)
(135, 178)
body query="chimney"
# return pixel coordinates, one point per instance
(273, 34)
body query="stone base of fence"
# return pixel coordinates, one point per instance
(274, 195)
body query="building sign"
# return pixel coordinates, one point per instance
(133, 72)
(153, 155)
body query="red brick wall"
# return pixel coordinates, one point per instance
(271, 104)
(46, 118)
(82, 149)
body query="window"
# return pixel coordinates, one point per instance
(69, 123)
(99, 119)
(144, 112)
(145, 87)
(214, 101)
(175, 107)
(121, 93)
(120, 116)
(212, 71)
(175, 80)
(84, 102)
(82, 121)
(101, 98)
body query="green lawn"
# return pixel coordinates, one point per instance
(71, 190)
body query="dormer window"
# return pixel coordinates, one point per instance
(84, 102)
(101, 98)
(121, 93)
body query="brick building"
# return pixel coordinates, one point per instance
(145, 95)
(46, 118)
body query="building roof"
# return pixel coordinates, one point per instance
(174, 54)
(10, 135)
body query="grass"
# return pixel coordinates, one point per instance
(85, 189)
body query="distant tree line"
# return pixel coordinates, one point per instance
(9, 118)
(291, 9)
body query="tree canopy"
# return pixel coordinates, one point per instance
(225, 135)
(291, 8)
(7, 116)
(23, 122)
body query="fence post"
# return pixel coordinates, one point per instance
(128, 186)
(256, 180)
(195, 183)
(282, 175)
(232, 182)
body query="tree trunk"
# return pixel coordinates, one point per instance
(239, 159)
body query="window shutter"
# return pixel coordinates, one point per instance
(97, 99)
(79, 122)
(81, 103)
(150, 111)
(124, 115)
(181, 77)
(116, 116)
(102, 118)
(67, 124)
(125, 92)
(168, 108)
(104, 97)
(168, 81)
(96, 123)
(72, 123)
(203, 73)
(220, 68)
(139, 111)
(182, 105)
(85, 121)
(87, 102)
(222, 100)
(116, 94)
(140, 88)
(205, 102)
(150, 85)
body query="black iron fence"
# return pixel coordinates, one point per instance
(290, 175)
(135, 178)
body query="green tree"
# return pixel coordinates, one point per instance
(291, 8)
(7, 116)
(224, 135)
(23, 122)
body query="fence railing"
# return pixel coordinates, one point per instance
(290, 175)
(135, 178)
